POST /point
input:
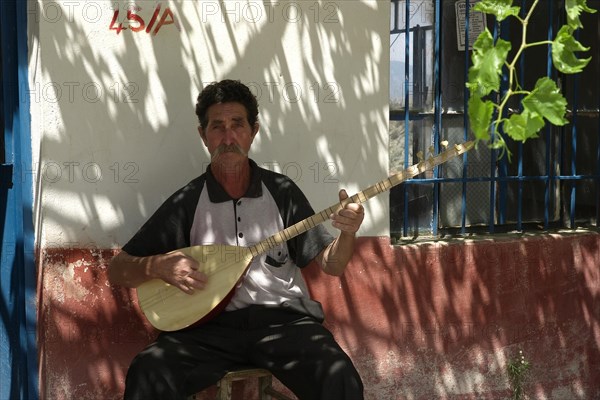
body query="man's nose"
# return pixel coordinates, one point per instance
(228, 135)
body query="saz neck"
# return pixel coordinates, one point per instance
(360, 197)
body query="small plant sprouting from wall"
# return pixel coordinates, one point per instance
(488, 103)
(517, 370)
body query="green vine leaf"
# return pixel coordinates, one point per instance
(480, 113)
(547, 101)
(564, 47)
(485, 73)
(574, 9)
(501, 9)
(523, 126)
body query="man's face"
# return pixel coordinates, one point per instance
(228, 135)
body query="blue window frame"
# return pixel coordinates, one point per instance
(551, 182)
(18, 358)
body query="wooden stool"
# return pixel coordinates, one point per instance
(265, 381)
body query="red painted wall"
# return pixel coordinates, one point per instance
(426, 321)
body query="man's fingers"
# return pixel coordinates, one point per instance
(184, 274)
(197, 279)
(186, 289)
(353, 207)
(350, 217)
(190, 285)
(343, 195)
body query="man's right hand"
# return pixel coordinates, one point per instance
(174, 268)
(181, 271)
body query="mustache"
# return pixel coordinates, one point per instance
(228, 148)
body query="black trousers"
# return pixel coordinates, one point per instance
(297, 349)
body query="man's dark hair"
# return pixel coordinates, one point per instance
(226, 91)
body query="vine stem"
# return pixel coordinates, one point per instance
(511, 67)
(541, 43)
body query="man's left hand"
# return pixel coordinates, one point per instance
(349, 218)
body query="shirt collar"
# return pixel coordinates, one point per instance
(217, 194)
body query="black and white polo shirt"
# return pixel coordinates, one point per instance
(203, 213)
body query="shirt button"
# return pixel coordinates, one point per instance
(239, 203)
(241, 235)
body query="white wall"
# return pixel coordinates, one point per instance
(114, 111)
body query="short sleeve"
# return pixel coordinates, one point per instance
(169, 227)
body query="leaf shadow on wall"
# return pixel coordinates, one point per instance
(118, 136)
(121, 137)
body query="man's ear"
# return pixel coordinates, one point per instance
(202, 135)
(255, 129)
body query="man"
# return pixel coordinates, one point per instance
(270, 322)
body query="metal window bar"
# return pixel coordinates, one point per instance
(549, 183)
(406, 102)
(499, 173)
(597, 188)
(463, 194)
